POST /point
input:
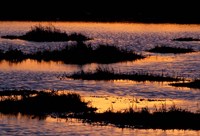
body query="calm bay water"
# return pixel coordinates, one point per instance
(117, 94)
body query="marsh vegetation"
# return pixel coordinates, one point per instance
(108, 73)
(50, 33)
(75, 54)
(167, 49)
(71, 105)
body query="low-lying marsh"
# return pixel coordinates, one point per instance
(106, 73)
(172, 118)
(75, 54)
(167, 49)
(41, 102)
(193, 84)
(70, 105)
(186, 39)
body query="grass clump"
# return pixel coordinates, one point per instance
(166, 49)
(41, 33)
(193, 84)
(186, 39)
(106, 73)
(172, 118)
(12, 55)
(40, 103)
(103, 54)
(75, 54)
(83, 54)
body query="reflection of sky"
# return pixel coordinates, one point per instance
(117, 103)
(32, 65)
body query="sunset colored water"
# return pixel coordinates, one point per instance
(116, 94)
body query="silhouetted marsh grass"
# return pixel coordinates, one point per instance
(106, 73)
(166, 49)
(32, 102)
(82, 54)
(14, 55)
(41, 33)
(1, 54)
(186, 39)
(163, 118)
(192, 84)
(42, 103)
(76, 54)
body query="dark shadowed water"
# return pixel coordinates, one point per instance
(118, 94)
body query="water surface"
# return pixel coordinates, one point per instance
(117, 94)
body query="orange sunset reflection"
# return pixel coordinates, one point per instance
(33, 65)
(131, 27)
(121, 27)
(114, 95)
(117, 103)
(151, 60)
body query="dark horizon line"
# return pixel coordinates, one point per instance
(166, 11)
(154, 21)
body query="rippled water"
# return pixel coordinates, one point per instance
(117, 94)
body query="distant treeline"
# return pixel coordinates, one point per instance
(164, 11)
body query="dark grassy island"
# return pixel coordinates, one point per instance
(172, 118)
(82, 54)
(13, 55)
(186, 39)
(75, 54)
(193, 84)
(42, 104)
(166, 49)
(102, 73)
(47, 34)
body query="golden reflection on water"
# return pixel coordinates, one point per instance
(122, 103)
(105, 103)
(121, 27)
(152, 59)
(33, 65)
(158, 85)
(129, 27)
